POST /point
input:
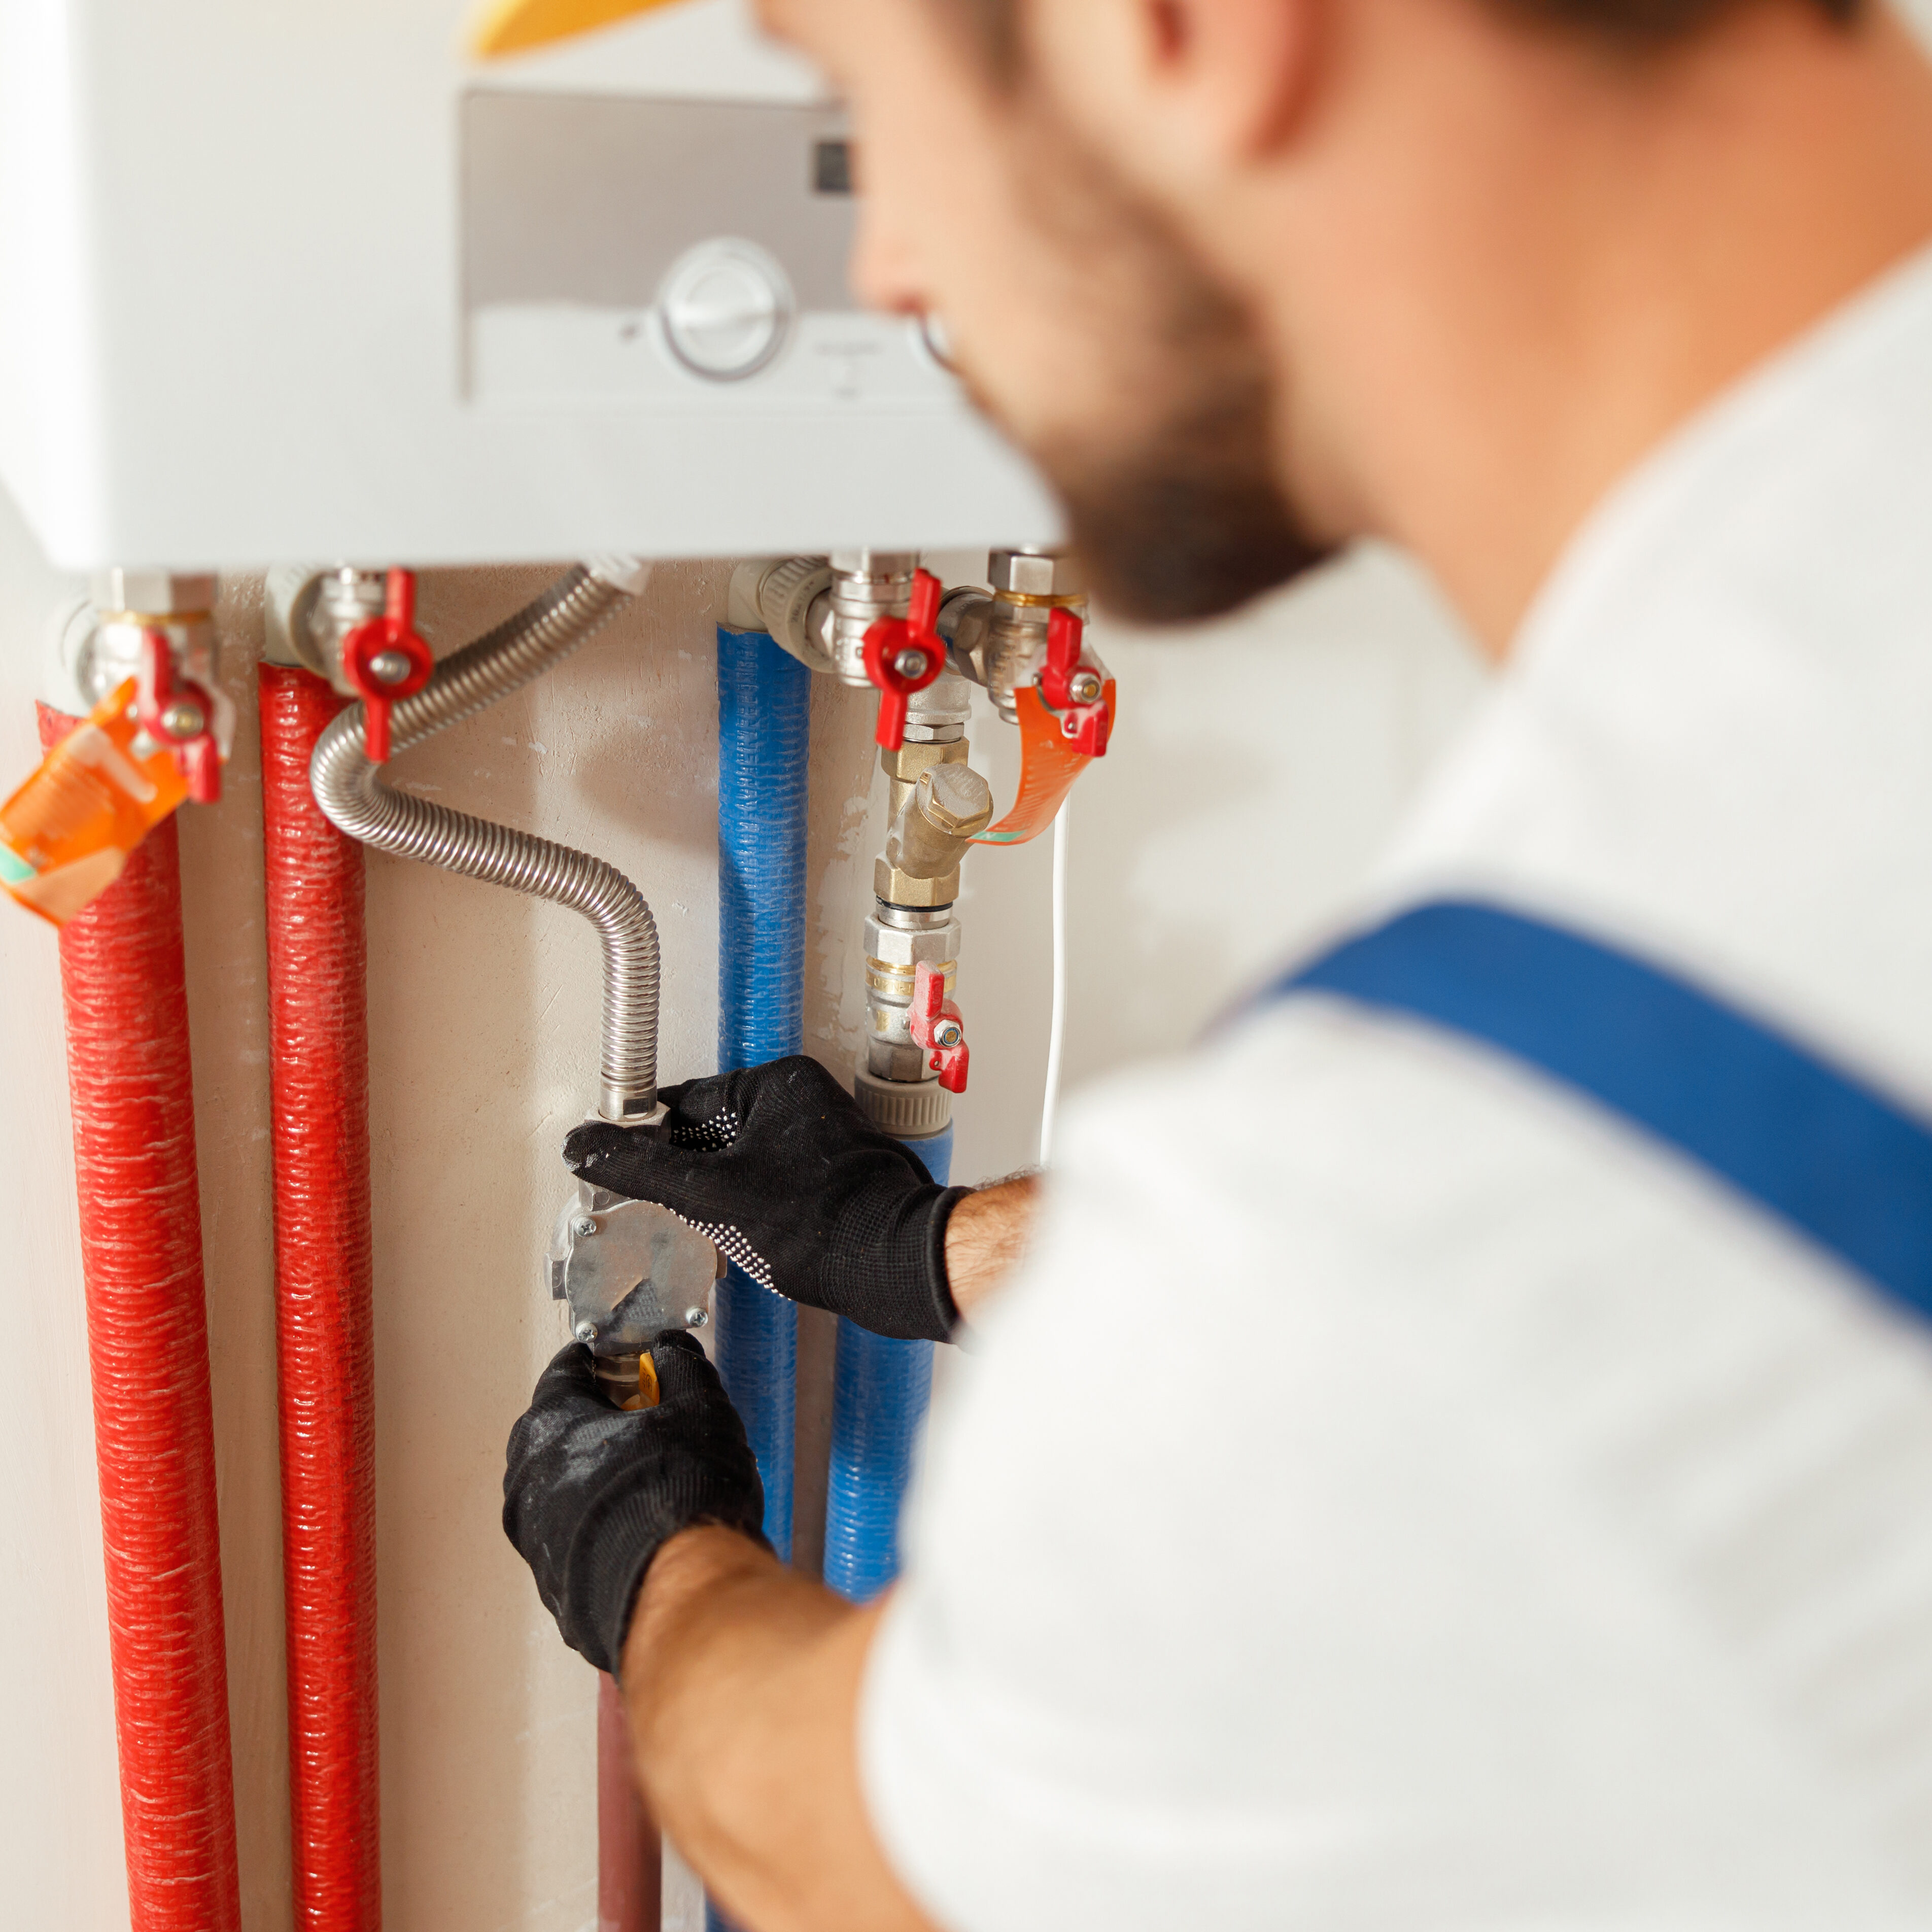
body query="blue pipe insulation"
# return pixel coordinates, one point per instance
(881, 1386)
(764, 712)
(880, 1391)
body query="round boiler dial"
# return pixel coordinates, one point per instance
(726, 307)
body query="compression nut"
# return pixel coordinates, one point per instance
(1034, 573)
(896, 952)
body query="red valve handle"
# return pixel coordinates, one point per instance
(1066, 634)
(161, 692)
(891, 639)
(936, 1026)
(1086, 727)
(394, 631)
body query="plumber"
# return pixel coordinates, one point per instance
(1539, 1534)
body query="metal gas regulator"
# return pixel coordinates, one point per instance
(629, 1271)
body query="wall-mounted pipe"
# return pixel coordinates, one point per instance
(764, 738)
(764, 728)
(880, 1389)
(880, 1386)
(630, 1855)
(319, 1073)
(125, 986)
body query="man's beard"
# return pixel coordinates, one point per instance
(1172, 501)
(1185, 520)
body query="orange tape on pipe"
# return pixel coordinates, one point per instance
(1048, 766)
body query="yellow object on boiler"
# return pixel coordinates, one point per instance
(517, 26)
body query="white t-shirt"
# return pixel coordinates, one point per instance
(1398, 1497)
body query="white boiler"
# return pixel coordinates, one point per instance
(299, 278)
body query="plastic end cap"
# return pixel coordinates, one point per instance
(627, 574)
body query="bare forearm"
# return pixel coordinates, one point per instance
(742, 1684)
(986, 1236)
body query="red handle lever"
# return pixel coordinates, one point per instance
(1085, 721)
(936, 1026)
(385, 660)
(1066, 634)
(179, 712)
(904, 655)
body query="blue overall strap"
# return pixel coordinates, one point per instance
(1813, 1144)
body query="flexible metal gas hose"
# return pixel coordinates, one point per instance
(353, 795)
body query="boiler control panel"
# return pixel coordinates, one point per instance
(621, 252)
(307, 281)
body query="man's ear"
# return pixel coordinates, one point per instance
(1180, 91)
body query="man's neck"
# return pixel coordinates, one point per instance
(1598, 251)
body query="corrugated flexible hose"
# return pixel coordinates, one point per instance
(350, 790)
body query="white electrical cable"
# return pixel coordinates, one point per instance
(1056, 1040)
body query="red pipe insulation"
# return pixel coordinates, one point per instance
(318, 1038)
(630, 1870)
(125, 986)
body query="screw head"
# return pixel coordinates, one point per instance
(388, 666)
(909, 662)
(1085, 686)
(585, 1331)
(946, 1033)
(184, 719)
(695, 1317)
(583, 1228)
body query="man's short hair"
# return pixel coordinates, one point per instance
(1635, 24)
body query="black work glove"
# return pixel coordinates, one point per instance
(777, 1164)
(591, 1492)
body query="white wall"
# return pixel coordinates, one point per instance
(1256, 768)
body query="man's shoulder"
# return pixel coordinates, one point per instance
(1709, 741)
(1319, 1159)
